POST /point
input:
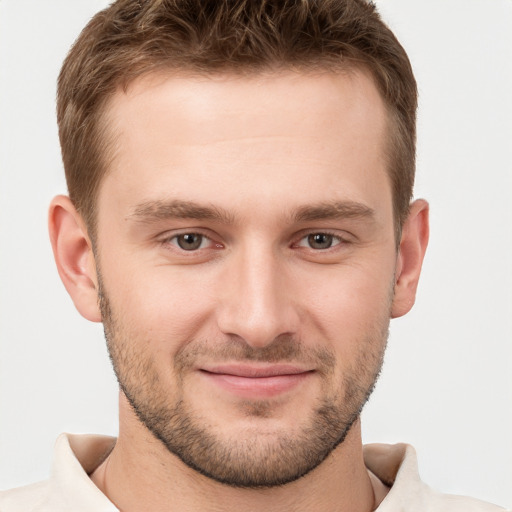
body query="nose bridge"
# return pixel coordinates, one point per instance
(256, 304)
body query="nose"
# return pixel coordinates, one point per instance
(256, 302)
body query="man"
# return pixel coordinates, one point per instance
(239, 219)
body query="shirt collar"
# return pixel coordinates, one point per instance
(75, 457)
(397, 467)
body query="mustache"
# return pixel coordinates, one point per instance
(283, 349)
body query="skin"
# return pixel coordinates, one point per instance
(282, 157)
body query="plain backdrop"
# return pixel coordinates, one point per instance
(447, 380)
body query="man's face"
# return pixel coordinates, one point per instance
(247, 258)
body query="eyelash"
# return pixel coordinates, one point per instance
(173, 240)
(335, 240)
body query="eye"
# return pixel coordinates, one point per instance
(319, 241)
(190, 241)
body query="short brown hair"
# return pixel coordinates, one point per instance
(134, 37)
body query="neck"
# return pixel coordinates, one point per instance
(140, 474)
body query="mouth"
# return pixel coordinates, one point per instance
(256, 381)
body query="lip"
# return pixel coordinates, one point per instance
(256, 381)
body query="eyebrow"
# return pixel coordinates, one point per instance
(157, 210)
(154, 211)
(335, 210)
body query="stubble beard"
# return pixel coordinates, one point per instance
(251, 460)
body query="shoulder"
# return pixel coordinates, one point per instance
(450, 503)
(69, 486)
(397, 467)
(24, 499)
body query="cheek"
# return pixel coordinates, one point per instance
(352, 303)
(162, 306)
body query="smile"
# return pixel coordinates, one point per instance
(256, 382)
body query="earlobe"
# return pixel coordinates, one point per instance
(74, 257)
(412, 249)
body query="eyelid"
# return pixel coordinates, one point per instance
(341, 239)
(303, 242)
(168, 238)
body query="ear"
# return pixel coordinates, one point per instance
(410, 257)
(74, 257)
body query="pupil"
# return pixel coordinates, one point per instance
(320, 241)
(189, 241)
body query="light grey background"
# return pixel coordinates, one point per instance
(447, 381)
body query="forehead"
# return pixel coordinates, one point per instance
(248, 101)
(234, 136)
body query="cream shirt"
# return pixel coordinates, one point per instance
(69, 488)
